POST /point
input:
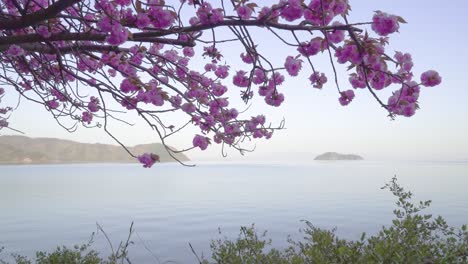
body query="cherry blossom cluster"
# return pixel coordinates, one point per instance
(89, 60)
(3, 111)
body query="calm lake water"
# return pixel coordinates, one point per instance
(45, 206)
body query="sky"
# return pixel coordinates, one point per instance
(315, 122)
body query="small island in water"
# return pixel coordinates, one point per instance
(338, 156)
(25, 150)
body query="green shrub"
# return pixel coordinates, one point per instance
(412, 238)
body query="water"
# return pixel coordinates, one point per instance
(45, 206)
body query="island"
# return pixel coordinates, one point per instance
(25, 150)
(337, 156)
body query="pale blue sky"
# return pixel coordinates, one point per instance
(436, 37)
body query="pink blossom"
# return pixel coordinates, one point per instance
(207, 15)
(247, 57)
(222, 71)
(148, 159)
(188, 108)
(311, 48)
(15, 51)
(240, 79)
(379, 80)
(244, 12)
(318, 79)
(201, 142)
(408, 110)
(259, 76)
(336, 36)
(218, 89)
(129, 103)
(160, 18)
(266, 11)
(292, 11)
(274, 99)
(384, 24)
(210, 67)
(86, 117)
(3, 123)
(43, 31)
(265, 90)
(93, 105)
(176, 101)
(118, 35)
(189, 52)
(52, 104)
(127, 86)
(142, 20)
(348, 53)
(346, 97)
(357, 81)
(430, 78)
(276, 79)
(293, 65)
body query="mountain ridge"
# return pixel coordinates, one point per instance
(338, 156)
(26, 150)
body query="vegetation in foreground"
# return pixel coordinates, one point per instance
(413, 237)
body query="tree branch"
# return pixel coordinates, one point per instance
(8, 23)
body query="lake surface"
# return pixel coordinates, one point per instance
(48, 205)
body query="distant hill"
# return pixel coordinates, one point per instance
(25, 150)
(337, 156)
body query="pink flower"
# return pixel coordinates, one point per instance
(336, 36)
(93, 105)
(247, 57)
(160, 18)
(118, 35)
(207, 15)
(201, 142)
(222, 71)
(259, 76)
(240, 79)
(274, 99)
(379, 80)
(218, 89)
(142, 20)
(43, 31)
(244, 12)
(15, 51)
(127, 86)
(311, 48)
(86, 117)
(188, 108)
(430, 78)
(409, 110)
(357, 81)
(188, 52)
(348, 53)
(176, 101)
(346, 97)
(384, 24)
(293, 66)
(292, 11)
(52, 104)
(148, 159)
(3, 123)
(318, 80)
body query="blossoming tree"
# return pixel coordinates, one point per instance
(85, 59)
